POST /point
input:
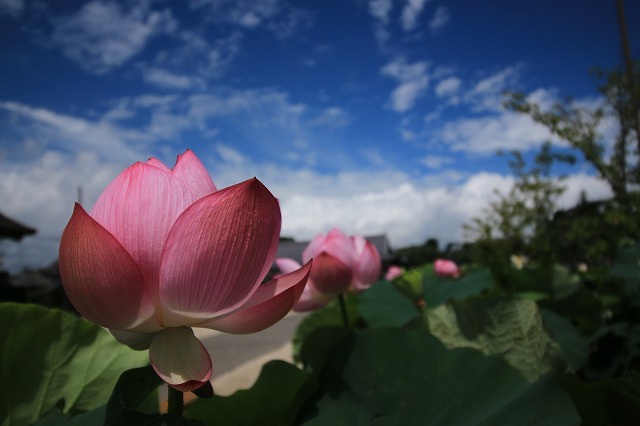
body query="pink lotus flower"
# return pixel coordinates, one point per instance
(340, 264)
(394, 271)
(446, 268)
(163, 251)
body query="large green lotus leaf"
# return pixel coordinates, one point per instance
(608, 402)
(383, 305)
(51, 358)
(438, 291)
(512, 328)
(273, 400)
(407, 377)
(627, 267)
(134, 402)
(574, 346)
(329, 316)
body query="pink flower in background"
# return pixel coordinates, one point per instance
(163, 251)
(394, 271)
(340, 264)
(446, 268)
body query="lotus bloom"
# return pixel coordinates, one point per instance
(446, 268)
(340, 264)
(163, 251)
(394, 271)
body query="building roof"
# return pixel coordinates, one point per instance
(9, 228)
(293, 249)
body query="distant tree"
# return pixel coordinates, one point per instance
(578, 126)
(516, 222)
(420, 254)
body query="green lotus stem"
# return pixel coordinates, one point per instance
(175, 402)
(343, 310)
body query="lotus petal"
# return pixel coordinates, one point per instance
(110, 296)
(138, 208)
(330, 275)
(268, 305)
(190, 171)
(218, 252)
(180, 359)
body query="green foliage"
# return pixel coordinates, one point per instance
(512, 328)
(396, 311)
(54, 360)
(401, 377)
(273, 400)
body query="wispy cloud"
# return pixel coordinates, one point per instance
(411, 12)
(413, 81)
(277, 16)
(380, 10)
(11, 7)
(103, 35)
(440, 19)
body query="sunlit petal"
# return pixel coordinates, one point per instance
(218, 252)
(138, 208)
(180, 359)
(190, 171)
(367, 267)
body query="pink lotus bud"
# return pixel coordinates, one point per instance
(446, 268)
(394, 271)
(163, 251)
(340, 264)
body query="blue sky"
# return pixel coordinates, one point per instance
(377, 116)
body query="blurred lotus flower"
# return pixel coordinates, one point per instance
(340, 264)
(163, 251)
(394, 271)
(446, 268)
(519, 261)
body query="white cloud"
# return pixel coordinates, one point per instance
(411, 12)
(73, 133)
(436, 161)
(379, 10)
(11, 7)
(413, 81)
(281, 18)
(448, 86)
(332, 117)
(167, 79)
(488, 93)
(101, 35)
(486, 135)
(440, 19)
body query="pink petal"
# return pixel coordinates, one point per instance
(190, 171)
(157, 163)
(330, 275)
(336, 243)
(180, 359)
(287, 265)
(138, 208)
(368, 264)
(218, 252)
(312, 299)
(268, 305)
(313, 248)
(101, 279)
(446, 268)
